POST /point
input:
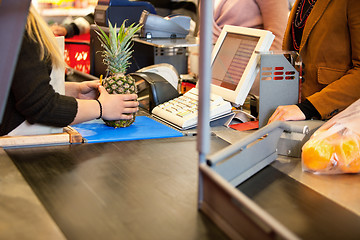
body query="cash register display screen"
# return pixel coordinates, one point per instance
(232, 59)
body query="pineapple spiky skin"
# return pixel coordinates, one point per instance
(119, 84)
(117, 52)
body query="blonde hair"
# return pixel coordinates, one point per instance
(39, 31)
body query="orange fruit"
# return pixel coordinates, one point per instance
(316, 154)
(348, 151)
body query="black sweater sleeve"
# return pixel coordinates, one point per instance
(309, 110)
(72, 29)
(31, 97)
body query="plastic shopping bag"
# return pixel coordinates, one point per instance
(335, 147)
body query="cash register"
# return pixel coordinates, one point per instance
(162, 40)
(116, 11)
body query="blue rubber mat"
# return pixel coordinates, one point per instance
(96, 131)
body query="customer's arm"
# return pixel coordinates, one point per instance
(110, 107)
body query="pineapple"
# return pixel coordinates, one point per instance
(117, 52)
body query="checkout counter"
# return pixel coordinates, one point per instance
(148, 189)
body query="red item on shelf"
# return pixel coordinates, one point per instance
(77, 52)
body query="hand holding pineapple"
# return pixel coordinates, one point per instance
(114, 107)
(88, 89)
(83, 90)
(117, 106)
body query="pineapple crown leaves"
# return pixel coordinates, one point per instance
(117, 46)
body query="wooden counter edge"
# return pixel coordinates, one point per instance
(70, 135)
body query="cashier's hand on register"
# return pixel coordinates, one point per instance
(286, 113)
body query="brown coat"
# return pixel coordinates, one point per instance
(330, 50)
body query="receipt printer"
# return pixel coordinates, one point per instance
(156, 84)
(116, 11)
(154, 26)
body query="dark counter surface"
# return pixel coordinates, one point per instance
(125, 190)
(147, 189)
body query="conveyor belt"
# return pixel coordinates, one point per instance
(305, 212)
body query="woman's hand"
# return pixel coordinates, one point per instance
(117, 106)
(114, 106)
(83, 90)
(88, 89)
(285, 113)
